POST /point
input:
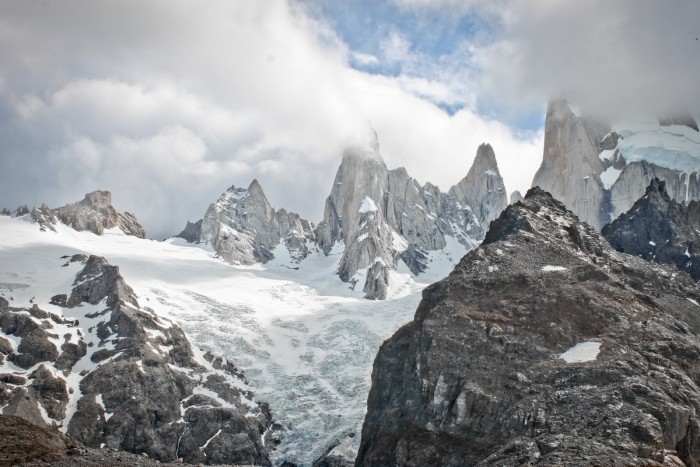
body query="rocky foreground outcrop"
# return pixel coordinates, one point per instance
(659, 229)
(94, 213)
(112, 374)
(544, 346)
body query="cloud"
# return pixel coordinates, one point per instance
(620, 59)
(168, 103)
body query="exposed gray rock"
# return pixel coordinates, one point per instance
(5, 212)
(380, 216)
(44, 217)
(159, 405)
(191, 232)
(659, 229)
(515, 197)
(483, 187)
(35, 345)
(570, 168)
(96, 213)
(244, 228)
(636, 177)
(49, 391)
(599, 186)
(483, 374)
(21, 211)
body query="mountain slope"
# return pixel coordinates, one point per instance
(544, 346)
(659, 229)
(62, 357)
(303, 339)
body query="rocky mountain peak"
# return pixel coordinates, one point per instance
(483, 188)
(539, 216)
(485, 157)
(599, 170)
(365, 146)
(570, 168)
(97, 199)
(244, 227)
(256, 190)
(94, 213)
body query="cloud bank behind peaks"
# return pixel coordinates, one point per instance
(168, 103)
(615, 58)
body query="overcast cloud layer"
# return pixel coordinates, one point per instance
(168, 103)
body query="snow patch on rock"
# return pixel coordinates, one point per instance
(582, 352)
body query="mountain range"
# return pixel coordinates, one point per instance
(249, 338)
(377, 218)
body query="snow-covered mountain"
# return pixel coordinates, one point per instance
(599, 170)
(303, 340)
(244, 228)
(383, 221)
(81, 351)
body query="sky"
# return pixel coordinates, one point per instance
(167, 103)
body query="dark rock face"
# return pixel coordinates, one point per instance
(141, 388)
(659, 229)
(22, 442)
(493, 371)
(681, 118)
(191, 231)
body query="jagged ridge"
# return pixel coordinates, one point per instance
(659, 229)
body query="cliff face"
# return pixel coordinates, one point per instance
(659, 229)
(543, 346)
(599, 170)
(570, 168)
(382, 216)
(483, 187)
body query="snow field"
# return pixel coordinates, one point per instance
(304, 340)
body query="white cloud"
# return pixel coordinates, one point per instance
(364, 60)
(167, 103)
(614, 58)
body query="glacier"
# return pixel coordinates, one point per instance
(305, 340)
